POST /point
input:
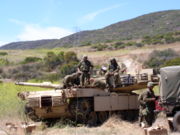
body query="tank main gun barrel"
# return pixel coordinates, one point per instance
(43, 85)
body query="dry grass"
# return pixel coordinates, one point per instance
(114, 126)
(97, 56)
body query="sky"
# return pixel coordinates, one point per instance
(26, 20)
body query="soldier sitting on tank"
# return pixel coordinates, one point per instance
(112, 76)
(72, 80)
(85, 66)
(147, 106)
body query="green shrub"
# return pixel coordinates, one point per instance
(31, 60)
(108, 41)
(139, 44)
(3, 53)
(51, 61)
(158, 58)
(130, 43)
(4, 62)
(88, 43)
(172, 62)
(70, 57)
(169, 39)
(100, 47)
(68, 68)
(24, 72)
(119, 45)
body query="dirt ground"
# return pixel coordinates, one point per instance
(113, 126)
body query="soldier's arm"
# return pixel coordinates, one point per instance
(118, 68)
(79, 66)
(140, 99)
(91, 65)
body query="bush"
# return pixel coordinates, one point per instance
(100, 47)
(88, 43)
(70, 57)
(130, 43)
(52, 61)
(172, 62)
(24, 72)
(3, 53)
(119, 45)
(169, 39)
(158, 58)
(68, 69)
(139, 44)
(4, 62)
(31, 60)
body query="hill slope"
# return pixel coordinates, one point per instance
(149, 24)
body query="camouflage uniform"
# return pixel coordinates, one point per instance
(147, 107)
(112, 76)
(85, 67)
(71, 80)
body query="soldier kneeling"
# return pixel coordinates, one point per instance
(72, 80)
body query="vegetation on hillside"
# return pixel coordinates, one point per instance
(163, 58)
(3, 53)
(172, 62)
(52, 67)
(146, 40)
(147, 25)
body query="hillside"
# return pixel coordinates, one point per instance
(145, 25)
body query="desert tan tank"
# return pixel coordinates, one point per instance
(89, 105)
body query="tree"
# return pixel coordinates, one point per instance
(70, 56)
(158, 58)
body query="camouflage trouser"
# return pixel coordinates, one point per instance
(146, 116)
(117, 80)
(85, 77)
(112, 80)
(109, 80)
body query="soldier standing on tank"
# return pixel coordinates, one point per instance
(85, 66)
(113, 73)
(147, 106)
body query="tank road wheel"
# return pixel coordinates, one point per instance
(31, 113)
(176, 122)
(79, 109)
(102, 117)
(86, 106)
(92, 119)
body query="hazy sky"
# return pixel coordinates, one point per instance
(22, 20)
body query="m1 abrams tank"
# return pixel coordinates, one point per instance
(89, 105)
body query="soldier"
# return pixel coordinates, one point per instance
(113, 74)
(71, 80)
(85, 66)
(147, 105)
